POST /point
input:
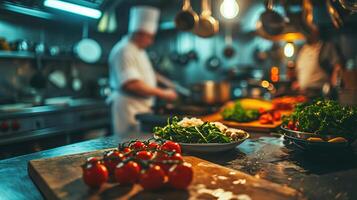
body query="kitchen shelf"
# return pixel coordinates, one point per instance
(17, 54)
(31, 55)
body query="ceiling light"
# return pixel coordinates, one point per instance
(289, 49)
(28, 11)
(229, 9)
(73, 8)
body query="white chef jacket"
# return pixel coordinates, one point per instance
(310, 74)
(128, 62)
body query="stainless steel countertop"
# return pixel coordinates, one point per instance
(265, 156)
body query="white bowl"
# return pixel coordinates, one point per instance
(211, 147)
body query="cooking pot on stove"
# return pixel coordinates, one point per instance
(211, 92)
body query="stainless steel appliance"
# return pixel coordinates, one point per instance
(29, 129)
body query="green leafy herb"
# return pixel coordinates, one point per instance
(325, 117)
(239, 114)
(205, 133)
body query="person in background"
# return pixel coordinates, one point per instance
(318, 66)
(132, 78)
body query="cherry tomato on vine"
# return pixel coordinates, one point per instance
(95, 174)
(165, 157)
(144, 155)
(127, 173)
(153, 178)
(112, 159)
(171, 146)
(176, 156)
(92, 160)
(138, 145)
(126, 150)
(180, 176)
(153, 145)
(161, 157)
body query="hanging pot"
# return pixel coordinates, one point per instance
(334, 15)
(186, 19)
(213, 63)
(207, 25)
(211, 93)
(228, 50)
(272, 22)
(192, 55)
(350, 5)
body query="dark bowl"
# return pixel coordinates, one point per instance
(299, 139)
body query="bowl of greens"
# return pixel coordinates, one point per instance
(321, 123)
(194, 135)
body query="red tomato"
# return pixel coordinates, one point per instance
(153, 178)
(95, 174)
(266, 119)
(153, 145)
(291, 125)
(171, 146)
(277, 116)
(176, 156)
(160, 157)
(92, 160)
(263, 121)
(270, 118)
(261, 110)
(112, 159)
(128, 173)
(144, 155)
(126, 150)
(165, 157)
(180, 176)
(137, 145)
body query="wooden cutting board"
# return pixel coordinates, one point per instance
(60, 178)
(254, 126)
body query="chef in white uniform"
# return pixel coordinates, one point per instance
(132, 77)
(318, 64)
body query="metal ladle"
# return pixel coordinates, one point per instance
(207, 25)
(186, 19)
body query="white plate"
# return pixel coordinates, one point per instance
(211, 147)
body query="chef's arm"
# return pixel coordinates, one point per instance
(336, 74)
(140, 88)
(164, 81)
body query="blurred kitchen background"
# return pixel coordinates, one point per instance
(51, 94)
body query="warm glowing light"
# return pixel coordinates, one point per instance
(265, 84)
(274, 74)
(229, 9)
(275, 70)
(289, 49)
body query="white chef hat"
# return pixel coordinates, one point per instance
(144, 18)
